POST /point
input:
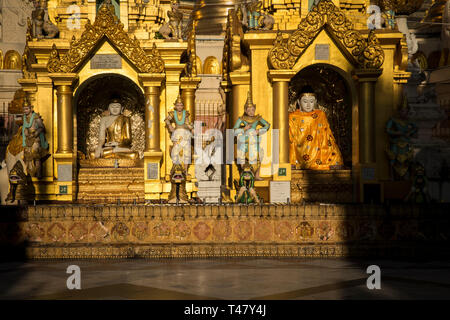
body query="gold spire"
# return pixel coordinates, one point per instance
(178, 99)
(249, 101)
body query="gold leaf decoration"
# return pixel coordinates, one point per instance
(106, 25)
(366, 53)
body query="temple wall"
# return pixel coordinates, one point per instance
(67, 232)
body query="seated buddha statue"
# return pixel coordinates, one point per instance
(312, 144)
(114, 138)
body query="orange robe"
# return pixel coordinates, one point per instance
(312, 144)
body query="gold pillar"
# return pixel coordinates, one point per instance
(366, 170)
(151, 82)
(152, 119)
(367, 149)
(65, 119)
(64, 158)
(240, 85)
(188, 87)
(280, 82)
(63, 83)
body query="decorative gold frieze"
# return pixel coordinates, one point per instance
(106, 25)
(364, 53)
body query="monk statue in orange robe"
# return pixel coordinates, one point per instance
(312, 144)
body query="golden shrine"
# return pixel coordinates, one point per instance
(66, 85)
(91, 205)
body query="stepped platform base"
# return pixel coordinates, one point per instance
(165, 231)
(334, 186)
(111, 185)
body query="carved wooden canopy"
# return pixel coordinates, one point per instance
(106, 25)
(364, 53)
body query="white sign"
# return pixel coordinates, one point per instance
(280, 191)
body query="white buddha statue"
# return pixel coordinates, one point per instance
(114, 139)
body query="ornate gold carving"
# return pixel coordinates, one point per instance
(106, 25)
(310, 230)
(400, 7)
(234, 51)
(111, 185)
(366, 53)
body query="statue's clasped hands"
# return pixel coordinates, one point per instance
(111, 144)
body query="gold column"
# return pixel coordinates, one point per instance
(65, 119)
(240, 85)
(152, 119)
(366, 170)
(65, 157)
(188, 87)
(280, 82)
(151, 82)
(367, 79)
(63, 83)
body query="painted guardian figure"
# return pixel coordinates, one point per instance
(35, 146)
(312, 144)
(179, 125)
(248, 128)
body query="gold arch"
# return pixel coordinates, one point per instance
(211, 66)
(12, 60)
(363, 53)
(1, 59)
(106, 25)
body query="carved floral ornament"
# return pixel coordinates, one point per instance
(107, 25)
(367, 53)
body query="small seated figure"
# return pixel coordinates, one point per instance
(178, 181)
(312, 144)
(180, 128)
(246, 126)
(114, 138)
(42, 26)
(246, 186)
(254, 17)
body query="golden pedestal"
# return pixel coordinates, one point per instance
(110, 185)
(333, 186)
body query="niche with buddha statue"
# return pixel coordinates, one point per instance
(333, 98)
(92, 103)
